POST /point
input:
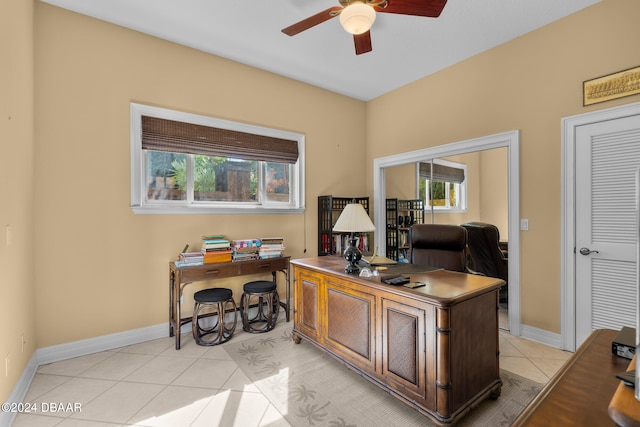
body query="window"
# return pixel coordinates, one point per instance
(185, 163)
(442, 185)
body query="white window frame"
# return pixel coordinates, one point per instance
(463, 189)
(140, 205)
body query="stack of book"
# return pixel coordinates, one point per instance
(271, 247)
(216, 249)
(191, 258)
(245, 249)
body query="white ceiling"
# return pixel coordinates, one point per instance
(405, 48)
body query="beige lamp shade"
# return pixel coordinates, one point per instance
(354, 219)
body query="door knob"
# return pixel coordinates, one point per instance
(587, 251)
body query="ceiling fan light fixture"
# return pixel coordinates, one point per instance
(357, 18)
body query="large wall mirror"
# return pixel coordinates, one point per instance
(482, 185)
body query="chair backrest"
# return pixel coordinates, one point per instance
(438, 245)
(486, 256)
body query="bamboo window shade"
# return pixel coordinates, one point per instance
(441, 173)
(179, 137)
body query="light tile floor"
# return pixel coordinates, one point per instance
(153, 385)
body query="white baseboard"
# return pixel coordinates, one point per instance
(65, 351)
(55, 353)
(541, 336)
(20, 390)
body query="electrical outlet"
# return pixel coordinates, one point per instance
(524, 224)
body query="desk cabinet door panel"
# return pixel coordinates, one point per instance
(350, 328)
(305, 318)
(404, 347)
(473, 342)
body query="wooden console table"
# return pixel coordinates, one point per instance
(579, 394)
(179, 277)
(435, 347)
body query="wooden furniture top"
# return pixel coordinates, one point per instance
(195, 273)
(579, 394)
(624, 409)
(442, 287)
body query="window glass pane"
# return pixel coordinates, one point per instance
(453, 194)
(182, 178)
(438, 194)
(165, 176)
(221, 179)
(277, 181)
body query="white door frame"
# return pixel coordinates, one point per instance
(510, 140)
(567, 226)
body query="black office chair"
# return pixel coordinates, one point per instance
(438, 245)
(486, 256)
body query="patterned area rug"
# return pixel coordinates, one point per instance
(310, 388)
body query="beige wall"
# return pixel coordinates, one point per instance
(16, 210)
(102, 269)
(494, 196)
(528, 84)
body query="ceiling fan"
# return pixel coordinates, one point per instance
(357, 16)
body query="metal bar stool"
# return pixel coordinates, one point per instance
(218, 300)
(265, 294)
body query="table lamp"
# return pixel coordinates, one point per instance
(353, 219)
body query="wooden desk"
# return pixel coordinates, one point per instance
(435, 347)
(579, 394)
(179, 277)
(624, 408)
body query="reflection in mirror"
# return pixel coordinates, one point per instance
(469, 187)
(482, 196)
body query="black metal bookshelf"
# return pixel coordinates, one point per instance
(400, 216)
(329, 209)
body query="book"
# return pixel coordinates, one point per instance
(245, 243)
(181, 264)
(191, 258)
(215, 245)
(210, 243)
(211, 254)
(212, 237)
(213, 258)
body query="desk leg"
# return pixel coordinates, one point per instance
(178, 313)
(172, 284)
(285, 304)
(288, 292)
(175, 292)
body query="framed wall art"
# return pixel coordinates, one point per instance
(612, 86)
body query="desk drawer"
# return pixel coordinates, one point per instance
(208, 272)
(263, 265)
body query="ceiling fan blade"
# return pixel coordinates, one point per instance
(312, 21)
(362, 42)
(428, 8)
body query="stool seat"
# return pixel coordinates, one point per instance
(261, 296)
(259, 286)
(213, 295)
(216, 303)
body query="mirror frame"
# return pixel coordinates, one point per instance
(510, 140)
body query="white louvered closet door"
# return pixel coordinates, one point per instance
(607, 156)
